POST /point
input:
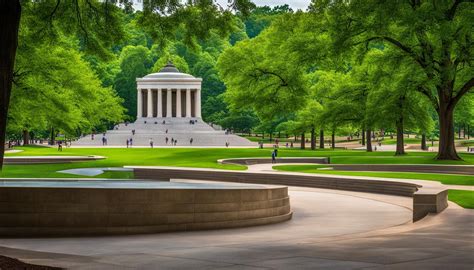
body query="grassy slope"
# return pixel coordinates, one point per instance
(464, 198)
(448, 179)
(198, 157)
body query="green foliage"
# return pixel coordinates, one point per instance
(54, 93)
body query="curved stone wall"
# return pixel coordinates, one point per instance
(63, 210)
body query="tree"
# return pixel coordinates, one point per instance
(54, 94)
(96, 23)
(135, 62)
(436, 36)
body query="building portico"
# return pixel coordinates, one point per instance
(169, 93)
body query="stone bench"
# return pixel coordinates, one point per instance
(425, 201)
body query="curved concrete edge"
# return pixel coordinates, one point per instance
(425, 200)
(91, 231)
(416, 168)
(89, 210)
(16, 160)
(283, 160)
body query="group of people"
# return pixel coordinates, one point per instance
(173, 141)
(192, 122)
(129, 142)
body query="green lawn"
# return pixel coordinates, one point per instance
(464, 198)
(448, 179)
(200, 157)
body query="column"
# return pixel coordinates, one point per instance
(149, 106)
(159, 105)
(168, 102)
(139, 103)
(198, 102)
(178, 102)
(188, 102)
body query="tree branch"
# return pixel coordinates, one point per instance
(464, 90)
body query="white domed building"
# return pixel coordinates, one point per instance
(168, 109)
(168, 94)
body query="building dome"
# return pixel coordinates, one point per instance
(169, 72)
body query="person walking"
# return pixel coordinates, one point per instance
(191, 141)
(104, 140)
(131, 142)
(175, 142)
(274, 156)
(60, 146)
(151, 142)
(128, 143)
(166, 140)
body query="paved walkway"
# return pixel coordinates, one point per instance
(330, 230)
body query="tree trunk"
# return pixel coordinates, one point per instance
(321, 139)
(263, 135)
(333, 140)
(10, 12)
(52, 138)
(302, 141)
(423, 142)
(313, 139)
(459, 131)
(368, 140)
(26, 137)
(363, 137)
(468, 132)
(271, 136)
(447, 149)
(400, 140)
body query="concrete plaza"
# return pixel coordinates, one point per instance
(330, 230)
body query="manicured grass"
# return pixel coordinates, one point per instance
(448, 179)
(200, 157)
(464, 198)
(406, 141)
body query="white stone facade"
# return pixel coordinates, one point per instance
(169, 93)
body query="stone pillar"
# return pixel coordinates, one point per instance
(178, 102)
(188, 102)
(149, 106)
(139, 103)
(159, 104)
(197, 99)
(168, 102)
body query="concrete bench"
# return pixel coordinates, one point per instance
(424, 201)
(427, 201)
